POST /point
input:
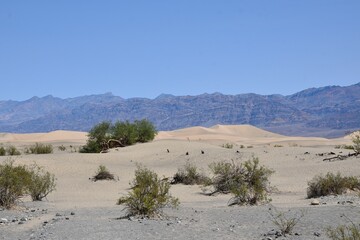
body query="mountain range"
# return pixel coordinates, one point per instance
(330, 111)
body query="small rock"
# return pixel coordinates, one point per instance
(67, 218)
(23, 219)
(72, 213)
(32, 210)
(317, 234)
(21, 222)
(3, 220)
(315, 202)
(58, 215)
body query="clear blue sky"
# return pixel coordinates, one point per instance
(142, 48)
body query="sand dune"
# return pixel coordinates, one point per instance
(55, 136)
(198, 215)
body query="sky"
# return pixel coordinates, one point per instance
(142, 48)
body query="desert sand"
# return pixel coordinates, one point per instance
(83, 209)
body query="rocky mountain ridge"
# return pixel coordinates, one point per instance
(328, 111)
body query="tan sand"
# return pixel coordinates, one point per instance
(293, 168)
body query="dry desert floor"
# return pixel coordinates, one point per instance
(84, 209)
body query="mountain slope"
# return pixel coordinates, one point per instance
(327, 111)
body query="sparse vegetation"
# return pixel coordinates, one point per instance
(356, 142)
(103, 174)
(62, 148)
(12, 151)
(250, 146)
(284, 221)
(344, 146)
(2, 151)
(40, 148)
(14, 182)
(228, 145)
(105, 135)
(278, 145)
(331, 184)
(42, 183)
(149, 194)
(189, 175)
(248, 182)
(19, 181)
(343, 232)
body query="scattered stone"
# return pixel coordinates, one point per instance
(3, 220)
(317, 234)
(32, 210)
(58, 215)
(72, 213)
(67, 218)
(315, 202)
(23, 219)
(21, 222)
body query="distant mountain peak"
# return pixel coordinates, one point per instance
(326, 111)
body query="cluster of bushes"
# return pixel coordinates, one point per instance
(120, 134)
(9, 150)
(331, 184)
(19, 181)
(247, 182)
(39, 148)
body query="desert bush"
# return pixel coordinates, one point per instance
(189, 175)
(105, 135)
(42, 183)
(149, 194)
(62, 148)
(331, 184)
(12, 151)
(278, 145)
(14, 182)
(248, 182)
(254, 186)
(343, 232)
(285, 221)
(103, 174)
(40, 148)
(228, 145)
(146, 131)
(126, 132)
(2, 151)
(356, 142)
(250, 146)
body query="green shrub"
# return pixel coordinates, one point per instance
(228, 145)
(103, 174)
(254, 185)
(62, 148)
(342, 232)
(248, 182)
(105, 135)
(2, 151)
(149, 194)
(356, 141)
(42, 183)
(331, 184)
(19, 181)
(125, 132)
(14, 182)
(189, 175)
(146, 131)
(12, 151)
(40, 148)
(284, 221)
